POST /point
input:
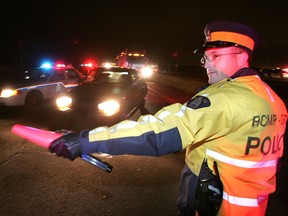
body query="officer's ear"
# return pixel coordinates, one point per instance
(243, 58)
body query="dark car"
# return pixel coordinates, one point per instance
(112, 93)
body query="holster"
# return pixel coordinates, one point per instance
(209, 191)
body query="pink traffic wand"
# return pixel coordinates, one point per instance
(44, 138)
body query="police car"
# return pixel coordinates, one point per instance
(39, 84)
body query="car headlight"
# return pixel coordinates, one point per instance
(5, 93)
(146, 72)
(109, 107)
(64, 103)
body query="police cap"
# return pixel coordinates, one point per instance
(228, 33)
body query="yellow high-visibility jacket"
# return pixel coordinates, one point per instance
(239, 123)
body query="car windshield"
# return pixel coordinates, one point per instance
(112, 76)
(38, 74)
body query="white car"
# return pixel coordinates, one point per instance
(38, 85)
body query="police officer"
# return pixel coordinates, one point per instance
(232, 131)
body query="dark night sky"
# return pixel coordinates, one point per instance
(33, 30)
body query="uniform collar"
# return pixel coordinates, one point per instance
(240, 73)
(244, 72)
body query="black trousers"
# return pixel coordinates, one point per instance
(187, 191)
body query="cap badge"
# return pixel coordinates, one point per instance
(208, 37)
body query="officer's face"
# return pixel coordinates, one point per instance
(221, 63)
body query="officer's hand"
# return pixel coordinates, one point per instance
(67, 146)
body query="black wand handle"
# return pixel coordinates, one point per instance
(97, 162)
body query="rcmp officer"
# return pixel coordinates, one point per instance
(232, 131)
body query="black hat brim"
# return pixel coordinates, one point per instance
(214, 44)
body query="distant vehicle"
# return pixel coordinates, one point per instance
(273, 73)
(138, 61)
(88, 67)
(39, 84)
(114, 93)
